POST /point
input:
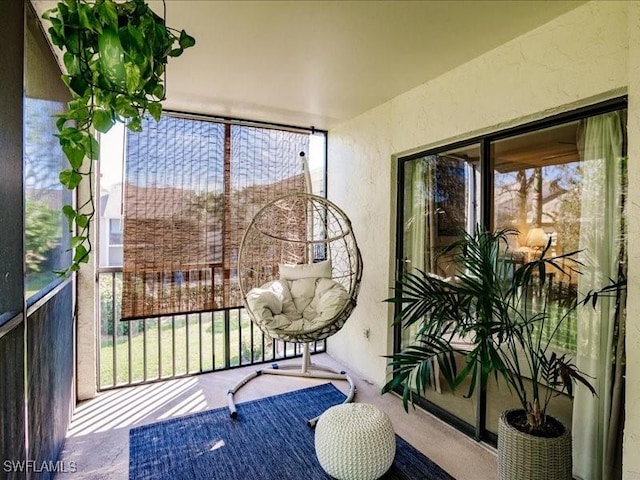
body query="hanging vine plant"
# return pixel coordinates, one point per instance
(115, 55)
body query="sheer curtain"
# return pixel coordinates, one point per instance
(418, 222)
(601, 144)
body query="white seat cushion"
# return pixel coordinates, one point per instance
(297, 305)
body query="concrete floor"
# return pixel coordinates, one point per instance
(98, 439)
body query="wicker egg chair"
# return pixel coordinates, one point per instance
(299, 269)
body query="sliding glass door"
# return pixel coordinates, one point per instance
(439, 201)
(560, 183)
(565, 186)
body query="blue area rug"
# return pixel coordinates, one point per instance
(270, 439)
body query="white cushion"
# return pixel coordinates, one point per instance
(297, 305)
(331, 300)
(269, 296)
(305, 270)
(302, 292)
(273, 303)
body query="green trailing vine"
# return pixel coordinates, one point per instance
(115, 55)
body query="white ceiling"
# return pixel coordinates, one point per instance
(319, 63)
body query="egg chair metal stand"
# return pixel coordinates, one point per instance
(299, 271)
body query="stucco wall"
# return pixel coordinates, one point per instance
(579, 58)
(358, 181)
(631, 445)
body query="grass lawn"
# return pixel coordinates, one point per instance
(204, 336)
(36, 281)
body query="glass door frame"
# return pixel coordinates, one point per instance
(485, 216)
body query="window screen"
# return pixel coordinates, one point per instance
(191, 189)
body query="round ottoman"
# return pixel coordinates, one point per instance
(355, 441)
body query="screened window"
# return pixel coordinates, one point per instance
(191, 187)
(46, 230)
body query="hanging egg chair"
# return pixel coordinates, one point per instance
(299, 269)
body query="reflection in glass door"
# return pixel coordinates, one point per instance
(537, 185)
(439, 201)
(564, 187)
(560, 182)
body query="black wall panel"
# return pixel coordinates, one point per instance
(11, 197)
(50, 376)
(12, 421)
(12, 354)
(47, 355)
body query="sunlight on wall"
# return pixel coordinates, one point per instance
(563, 64)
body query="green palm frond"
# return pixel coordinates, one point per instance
(414, 366)
(488, 304)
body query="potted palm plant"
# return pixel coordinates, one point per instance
(503, 309)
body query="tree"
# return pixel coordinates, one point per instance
(42, 233)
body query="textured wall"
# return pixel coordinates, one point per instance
(631, 445)
(358, 175)
(575, 60)
(579, 55)
(580, 58)
(87, 289)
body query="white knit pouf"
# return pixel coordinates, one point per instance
(355, 441)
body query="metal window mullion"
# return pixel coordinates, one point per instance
(99, 345)
(213, 340)
(239, 339)
(252, 342)
(227, 339)
(186, 324)
(144, 349)
(159, 347)
(173, 345)
(397, 337)
(200, 338)
(114, 330)
(242, 122)
(486, 219)
(129, 351)
(262, 338)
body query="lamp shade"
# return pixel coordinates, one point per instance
(537, 238)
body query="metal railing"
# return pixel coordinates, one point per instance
(142, 351)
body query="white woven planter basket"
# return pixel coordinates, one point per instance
(355, 441)
(524, 457)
